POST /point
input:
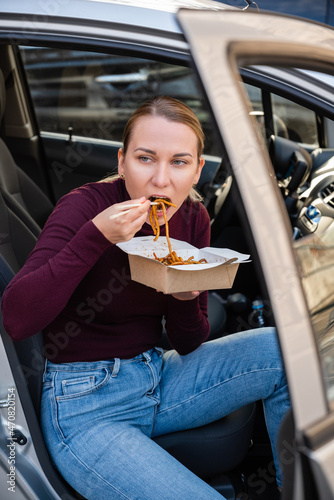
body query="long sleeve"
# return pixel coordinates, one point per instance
(187, 325)
(67, 249)
(77, 286)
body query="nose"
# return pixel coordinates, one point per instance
(161, 175)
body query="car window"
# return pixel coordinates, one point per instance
(315, 255)
(290, 120)
(255, 96)
(314, 246)
(93, 94)
(299, 122)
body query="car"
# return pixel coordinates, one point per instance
(262, 85)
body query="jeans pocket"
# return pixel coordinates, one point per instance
(76, 385)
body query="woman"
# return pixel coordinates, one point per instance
(107, 388)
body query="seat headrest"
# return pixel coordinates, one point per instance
(2, 95)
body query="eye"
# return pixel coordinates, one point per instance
(145, 159)
(179, 163)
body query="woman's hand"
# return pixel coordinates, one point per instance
(186, 295)
(124, 227)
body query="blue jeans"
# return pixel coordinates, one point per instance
(98, 417)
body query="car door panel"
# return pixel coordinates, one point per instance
(261, 39)
(76, 161)
(72, 163)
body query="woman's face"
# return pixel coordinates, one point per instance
(161, 161)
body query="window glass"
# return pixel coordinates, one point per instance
(300, 122)
(315, 255)
(291, 120)
(255, 96)
(312, 217)
(95, 93)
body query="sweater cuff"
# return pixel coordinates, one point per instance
(184, 307)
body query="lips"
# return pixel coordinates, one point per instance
(156, 197)
(159, 207)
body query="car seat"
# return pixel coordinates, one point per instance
(209, 451)
(228, 230)
(20, 193)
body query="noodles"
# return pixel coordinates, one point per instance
(171, 259)
(174, 260)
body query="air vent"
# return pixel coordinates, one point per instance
(327, 195)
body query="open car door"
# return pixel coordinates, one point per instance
(222, 44)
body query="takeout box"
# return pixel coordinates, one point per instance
(218, 273)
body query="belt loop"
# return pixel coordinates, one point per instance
(159, 350)
(116, 367)
(147, 357)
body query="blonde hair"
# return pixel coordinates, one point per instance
(173, 110)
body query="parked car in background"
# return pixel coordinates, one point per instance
(321, 11)
(262, 85)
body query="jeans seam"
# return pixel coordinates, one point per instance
(92, 471)
(58, 429)
(150, 393)
(215, 386)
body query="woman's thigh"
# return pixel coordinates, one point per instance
(123, 463)
(97, 419)
(217, 378)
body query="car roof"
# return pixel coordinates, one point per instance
(167, 5)
(157, 14)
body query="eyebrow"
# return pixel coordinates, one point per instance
(182, 154)
(145, 150)
(154, 152)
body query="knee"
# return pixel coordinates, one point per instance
(269, 344)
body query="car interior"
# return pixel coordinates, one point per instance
(43, 155)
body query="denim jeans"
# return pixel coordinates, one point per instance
(98, 417)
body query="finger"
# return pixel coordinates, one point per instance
(138, 212)
(135, 213)
(125, 207)
(131, 203)
(119, 214)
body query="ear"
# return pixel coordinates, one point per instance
(120, 156)
(201, 164)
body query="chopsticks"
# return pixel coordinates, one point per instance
(129, 206)
(114, 216)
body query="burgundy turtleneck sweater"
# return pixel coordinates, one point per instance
(76, 286)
